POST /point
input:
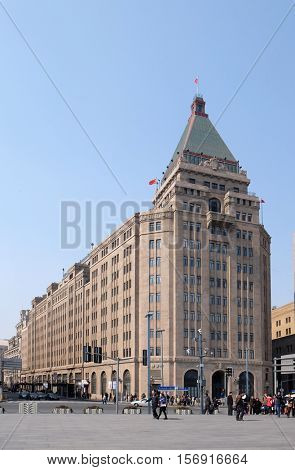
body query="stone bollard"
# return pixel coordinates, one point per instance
(131, 410)
(91, 410)
(62, 410)
(183, 411)
(28, 408)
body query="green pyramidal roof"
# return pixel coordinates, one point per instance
(200, 137)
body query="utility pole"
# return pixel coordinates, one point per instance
(148, 316)
(162, 361)
(117, 386)
(275, 383)
(247, 373)
(201, 370)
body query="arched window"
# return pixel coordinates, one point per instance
(93, 383)
(191, 382)
(126, 383)
(103, 383)
(214, 205)
(218, 384)
(243, 383)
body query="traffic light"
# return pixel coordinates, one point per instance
(86, 353)
(144, 357)
(229, 371)
(97, 356)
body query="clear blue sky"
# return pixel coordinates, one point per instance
(127, 69)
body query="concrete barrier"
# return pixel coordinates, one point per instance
(183, 411)
(28, 408)
(131, 411)
(62, 410)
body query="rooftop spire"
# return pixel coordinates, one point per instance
(198, 106)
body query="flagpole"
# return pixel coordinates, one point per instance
(261, 213)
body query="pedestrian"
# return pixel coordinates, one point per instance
(240, 407)
(163, 405)
(155, 404)
(207, 403)
(289, 406)
(278, 405)
(230, 404)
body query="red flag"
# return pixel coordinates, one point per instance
(197, 80)
(262, 201)
(154, 181)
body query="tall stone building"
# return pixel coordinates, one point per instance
(199, 259)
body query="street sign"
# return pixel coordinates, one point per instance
(167, 388)
(173, 387)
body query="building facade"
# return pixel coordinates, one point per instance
(199, 259)
(283, 329)
(12, 377)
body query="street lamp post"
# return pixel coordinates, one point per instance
(117, 386)
(148, 316)
(201, 370)
(247, 372)
(162, 361)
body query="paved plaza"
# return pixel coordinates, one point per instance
(110, 431)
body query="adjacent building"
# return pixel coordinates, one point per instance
(12, 376)
(199, 259)
(283, 346)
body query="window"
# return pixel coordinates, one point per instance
(238, 215)
(214, 186)
(158, 279)
(211, 265)
(185, 315)
(158, 261)
(158, 243)
(184, 205)
(238, 233)
(207, 184)
(151, 280)
(152, 262)
(249, 217)
(158, 226)
(151, 227)
(222, 187)
(185, 261)
(151, 244)
(244, 217)
(214, 205)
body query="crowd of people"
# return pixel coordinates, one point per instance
(269, 405)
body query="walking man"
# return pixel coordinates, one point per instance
(155, 404)
(230, 404)
(278, 405)
(163, 406)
